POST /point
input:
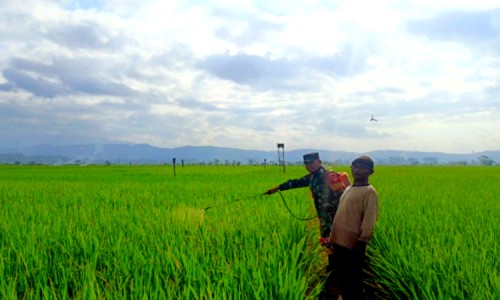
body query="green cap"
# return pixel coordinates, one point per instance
(310, 157)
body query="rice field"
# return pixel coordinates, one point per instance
(130, 232)
(438, 232)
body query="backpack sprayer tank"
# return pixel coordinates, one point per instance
(338, 181)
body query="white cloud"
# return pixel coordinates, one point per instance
(247, 74)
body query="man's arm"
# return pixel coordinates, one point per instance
(370, 216)
(291, 184)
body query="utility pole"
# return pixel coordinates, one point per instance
(173, 162)
(281, 155)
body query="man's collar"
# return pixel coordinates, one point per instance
(320, 170)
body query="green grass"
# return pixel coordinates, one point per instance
(438, 232)
(134, 232)
(139, 232)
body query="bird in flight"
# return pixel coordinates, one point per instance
(373, 119)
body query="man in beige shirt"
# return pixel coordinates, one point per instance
(352, 229)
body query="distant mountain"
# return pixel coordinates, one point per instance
(147, 154)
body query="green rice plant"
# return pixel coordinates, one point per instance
(437, 234)
(131, 232)
(138, 232)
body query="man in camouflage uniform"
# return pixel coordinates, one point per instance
(326, 200)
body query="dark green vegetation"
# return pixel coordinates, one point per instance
(138, 231)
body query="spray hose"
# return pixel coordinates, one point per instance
(293, 215)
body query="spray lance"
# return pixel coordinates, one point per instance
(260, 195)
(232, 202)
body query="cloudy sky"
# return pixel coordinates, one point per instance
(248, 74)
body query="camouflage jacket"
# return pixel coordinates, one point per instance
(326, 200)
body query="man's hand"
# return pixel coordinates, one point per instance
(272, 191)
(325, 242)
